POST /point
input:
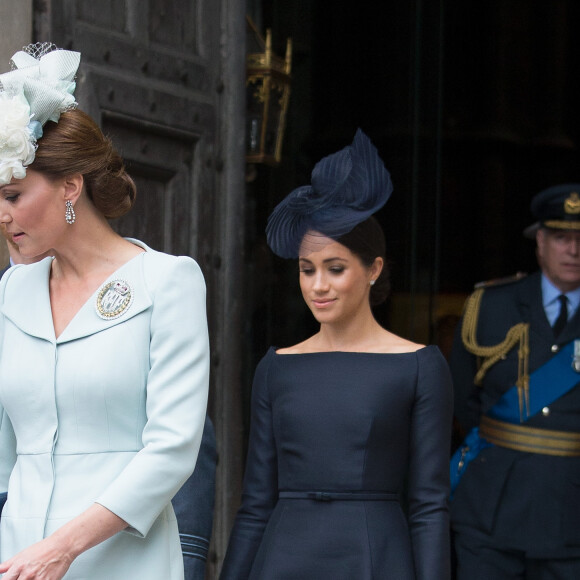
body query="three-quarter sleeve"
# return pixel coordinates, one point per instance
(7, 437)
(176, 397)
(428, 478)
(260, 488)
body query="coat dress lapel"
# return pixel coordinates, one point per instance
(31, 282)
(29, 285)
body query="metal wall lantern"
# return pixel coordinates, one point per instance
(267, 95)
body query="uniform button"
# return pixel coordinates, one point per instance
(546, 411)
(555, 348)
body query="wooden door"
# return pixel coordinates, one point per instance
(148, 76)
(165, 79)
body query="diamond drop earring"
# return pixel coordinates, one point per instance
(69, 214)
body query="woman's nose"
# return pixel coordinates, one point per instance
(320, 282)
(5, 216)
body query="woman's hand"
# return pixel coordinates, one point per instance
(45, 560)
(50, 558)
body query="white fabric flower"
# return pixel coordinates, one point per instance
(38, 89)
(10, 168)
(17, 142)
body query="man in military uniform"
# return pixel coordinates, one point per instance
(515, 363)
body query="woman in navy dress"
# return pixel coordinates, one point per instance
(352, 424)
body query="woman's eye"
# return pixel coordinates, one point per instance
(306, 271)
(12, 197)
(337, 269)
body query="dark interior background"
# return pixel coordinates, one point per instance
(474, 109)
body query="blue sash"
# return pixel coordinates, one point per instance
(547, 383)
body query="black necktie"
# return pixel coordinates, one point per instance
(562, 317)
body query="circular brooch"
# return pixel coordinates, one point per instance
(114, 299)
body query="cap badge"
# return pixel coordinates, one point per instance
(114, 299)
(572, 204)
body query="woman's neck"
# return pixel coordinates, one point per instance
(356, 334)
(94, 251)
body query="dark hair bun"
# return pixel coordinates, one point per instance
(76, 145)
(367, 241)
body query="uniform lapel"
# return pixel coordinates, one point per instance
(571, 330)
(532, 308)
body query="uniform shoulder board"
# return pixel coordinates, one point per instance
(501, 281)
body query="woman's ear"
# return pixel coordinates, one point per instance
(73, 187)
(376, 268)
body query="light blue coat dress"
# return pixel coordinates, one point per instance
(111, 411)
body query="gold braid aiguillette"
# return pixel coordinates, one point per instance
(519, 333)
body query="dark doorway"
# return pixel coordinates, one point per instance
(472, 107)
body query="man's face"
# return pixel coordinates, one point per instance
(559, 257)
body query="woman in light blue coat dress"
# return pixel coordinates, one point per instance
(103, 351)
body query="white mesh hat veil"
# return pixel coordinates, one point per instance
(38, 89)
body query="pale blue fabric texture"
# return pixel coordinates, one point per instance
(111, 411)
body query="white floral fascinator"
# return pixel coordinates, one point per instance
(38, 89)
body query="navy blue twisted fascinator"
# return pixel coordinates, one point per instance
(347, 188)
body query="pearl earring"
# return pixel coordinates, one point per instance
(372, 282)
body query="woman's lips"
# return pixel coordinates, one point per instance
(323, 303)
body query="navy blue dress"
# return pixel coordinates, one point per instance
(336, 439)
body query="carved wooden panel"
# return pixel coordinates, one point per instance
(148, 74)
(106, 14)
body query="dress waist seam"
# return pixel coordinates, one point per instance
(73, 453)
(340, 495)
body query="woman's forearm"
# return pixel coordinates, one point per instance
(93, 526)
(50, 558)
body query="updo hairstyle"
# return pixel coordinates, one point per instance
(367, 242)
(77, 145)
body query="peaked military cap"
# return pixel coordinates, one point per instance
(557, 207)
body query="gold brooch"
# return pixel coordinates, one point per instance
(572, 204)
(114, 299)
